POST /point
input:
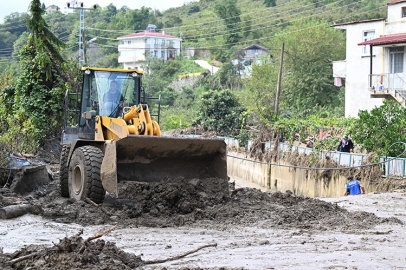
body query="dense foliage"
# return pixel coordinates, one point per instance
(31, 91)
(221, 112)
(31, 104)
(378, 129)
(309, 78)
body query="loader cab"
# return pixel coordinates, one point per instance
(105, 92)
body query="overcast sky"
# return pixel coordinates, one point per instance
(8, 7)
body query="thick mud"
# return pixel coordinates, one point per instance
(172, 203)
(178, 202)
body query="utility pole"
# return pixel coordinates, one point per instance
(81, 35)
(180, 32)
(212, 77)
(278, 86)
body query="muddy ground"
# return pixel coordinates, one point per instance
(252, 229)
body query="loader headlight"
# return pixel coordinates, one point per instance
(135, 74)
(88, 71)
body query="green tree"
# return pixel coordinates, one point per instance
(378, 129)
(136, 19)
(109, 12)
(230, 13)
(261, 88)
(221, 112)
(270, 3)
(308, 77)
(40, 89)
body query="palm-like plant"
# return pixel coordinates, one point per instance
(43, 41)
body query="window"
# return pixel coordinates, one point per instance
(156, 41)
(156, 53)
(163, 42)
(162, 54)
(129, 42)
(146, 41)
(367, 35)
(403, 12)
(254, 51)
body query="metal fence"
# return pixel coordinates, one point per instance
(396, 167)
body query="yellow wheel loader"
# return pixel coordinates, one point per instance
(110, 136)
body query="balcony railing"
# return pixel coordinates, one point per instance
(387, 81)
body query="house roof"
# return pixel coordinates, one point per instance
(362, 21)
(255, 46)
(147, 34)
(395, 2)
(386, 39)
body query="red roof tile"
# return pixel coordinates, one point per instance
(148, 33)
(395, 2)
(386, 39)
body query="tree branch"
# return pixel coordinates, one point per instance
(180, 256)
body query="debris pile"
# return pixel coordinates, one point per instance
(69, 254)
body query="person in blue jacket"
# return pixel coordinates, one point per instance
(353, 187)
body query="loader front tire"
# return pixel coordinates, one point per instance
(63, 171)
(84, 174)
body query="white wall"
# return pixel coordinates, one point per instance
(395, 12)
(357, 96)
(132, 55)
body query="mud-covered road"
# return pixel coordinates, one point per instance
(252, 229)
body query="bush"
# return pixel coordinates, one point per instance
(378, 129)
(221, 112)
(174, 122)
(193, 9)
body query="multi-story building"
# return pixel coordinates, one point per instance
(134, 48)
(375, 60)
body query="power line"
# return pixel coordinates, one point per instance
(226, 18)
(261, 18)
(103, 37)
(238, 31)
(245, 41)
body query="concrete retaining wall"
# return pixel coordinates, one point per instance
(299, 181)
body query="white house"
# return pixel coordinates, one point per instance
(133, 48)
(375, 60)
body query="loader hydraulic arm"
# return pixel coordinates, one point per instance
(136, 121)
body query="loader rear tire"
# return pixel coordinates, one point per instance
(84, 174)
(63, 171)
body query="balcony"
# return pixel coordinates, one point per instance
(390, 86)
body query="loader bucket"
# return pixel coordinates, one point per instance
(152, 158)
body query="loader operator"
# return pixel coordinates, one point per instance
(113, 100)
(353, 187)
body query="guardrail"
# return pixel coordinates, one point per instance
(387, 81)
(395, 167)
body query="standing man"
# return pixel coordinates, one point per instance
(345, 145)
(353, 187)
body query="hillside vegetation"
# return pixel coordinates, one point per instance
(39, 63)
